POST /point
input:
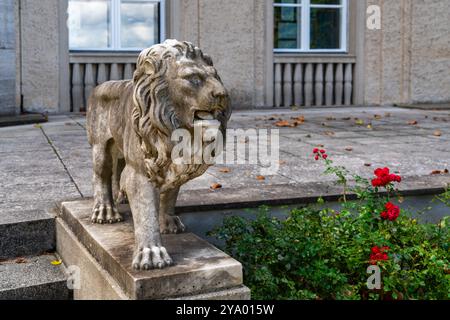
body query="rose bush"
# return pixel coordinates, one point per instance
(320, 253)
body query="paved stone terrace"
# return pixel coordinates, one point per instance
(47, 163)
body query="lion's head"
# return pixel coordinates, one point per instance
(175, 84)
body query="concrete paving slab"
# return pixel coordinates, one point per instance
(63, 168)
(35, 278)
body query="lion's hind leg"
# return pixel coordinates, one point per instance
(104, 210)
(168, 221)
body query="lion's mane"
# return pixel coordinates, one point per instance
(153, 115)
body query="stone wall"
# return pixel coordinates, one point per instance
(233, 33)
(40, 33)
(408, 60)
(7, 58)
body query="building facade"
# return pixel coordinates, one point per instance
(8, 70)
(270, 53)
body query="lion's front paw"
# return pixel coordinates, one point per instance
(153, 257)
(105, 213)
(172, 225)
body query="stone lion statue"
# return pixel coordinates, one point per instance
(129, 125)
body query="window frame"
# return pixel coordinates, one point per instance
(305, 30)
(114, 16)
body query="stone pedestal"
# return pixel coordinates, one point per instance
(103, 254)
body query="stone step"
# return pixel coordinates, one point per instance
(26, 233)
(104, 253)
(33, 278)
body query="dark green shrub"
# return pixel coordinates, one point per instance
(324, 254)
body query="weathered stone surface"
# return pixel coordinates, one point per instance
(40, 61)
(34, 279)
(198, 266)
(130, 125)
(7, 58)
(95, 282)
(239, 293)
(26, 233)
(406, 61)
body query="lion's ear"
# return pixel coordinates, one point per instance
(208, 60)
(150, 66)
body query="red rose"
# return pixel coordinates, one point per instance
(377, 182)
(325, 156)
(383, 177)
(391, 213)
(381, 172)
(322, 151)
(378, 254)
(315, 150)
(316, 157)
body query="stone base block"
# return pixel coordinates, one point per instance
(103, 254)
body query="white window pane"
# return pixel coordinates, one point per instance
(325, 28)
(139, 23)
(288, 1)
(89, 24)
(325, 2)
(287, 28)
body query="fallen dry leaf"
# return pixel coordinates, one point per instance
(377, 116)
(440, 171)
(367, 164)
(282, 162)
(216, 186)
(329, 133)
(349, 149)
(20, 260)
(331, 118)
(369, 127)
(437, 133)
(387, 114)
(300, 119)
(260, 178)
(346, 119)
(56, 262)
(359, 122)
(401, 199)
(283, 124)
(225, 170)
(412, 122)
(308, 136)
(320, 146)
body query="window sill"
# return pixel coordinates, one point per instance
(314, 57)
(103, 56)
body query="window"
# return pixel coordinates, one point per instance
(310, 25)
(115, 24)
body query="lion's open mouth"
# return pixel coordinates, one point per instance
(206, 119)
(203, 115)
